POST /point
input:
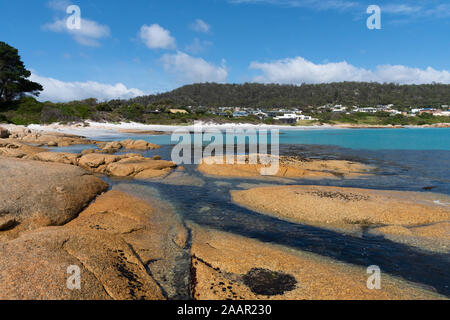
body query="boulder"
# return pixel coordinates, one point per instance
(13, 149)
(114, 146)
(56, 192)
(140, 168)
(138, 145)
(288, 167)
(95, 160)
(60, 157)
(123, 246)
(345, 207)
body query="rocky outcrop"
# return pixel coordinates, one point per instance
(114, 146)
(122, 245)
(38, 193)
(59, 157)
(289, 167)
(435, 236)
(129, 165)
(126, 165)
(50, 139)
(219, 271)
(13, 149)
(346, 207)
(155, 233)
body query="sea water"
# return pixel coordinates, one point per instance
(406, 160)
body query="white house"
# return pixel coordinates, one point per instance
(339, 108)
(367, 110)
(303, 117)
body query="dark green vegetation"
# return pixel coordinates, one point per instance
(27, 110)
(13, 75)
(269, 95)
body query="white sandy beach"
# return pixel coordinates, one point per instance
(94, 129)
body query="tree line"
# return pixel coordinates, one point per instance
(276, 95)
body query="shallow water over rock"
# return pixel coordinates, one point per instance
(209, 204)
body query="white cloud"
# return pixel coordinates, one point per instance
(200, 26)
(156, 37)
(417, 9)
(59, 5)
(401, 9)
(60, 91)
(197, 46)
(299, 70)
(189, 69)
(313, 4)
(88, 35)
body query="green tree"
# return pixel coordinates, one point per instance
(13, 75)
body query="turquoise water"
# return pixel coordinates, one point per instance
(373, 139)
(368, 139)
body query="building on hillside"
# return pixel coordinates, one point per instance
(303, 117)
(260, 114)
(240, 114)
(393, 111)
(178, 111)
(338, 108)
(367, 110)
(289, 118)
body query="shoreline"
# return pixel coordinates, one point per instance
(91, 128)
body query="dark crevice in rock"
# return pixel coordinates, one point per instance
(193, 277)
(149, 272)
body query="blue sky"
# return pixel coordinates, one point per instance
(129, 48)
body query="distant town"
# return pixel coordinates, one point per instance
(310, 113)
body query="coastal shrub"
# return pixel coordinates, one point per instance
(103, 107)
(27, 111)
(3, 118)
(132, 112)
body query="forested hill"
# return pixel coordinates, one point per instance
(269, 95)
